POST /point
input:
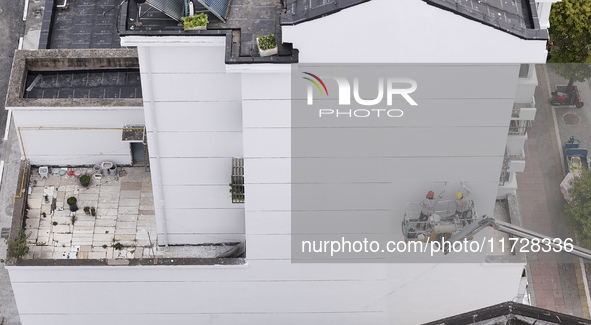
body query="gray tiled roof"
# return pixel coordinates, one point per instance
(510, 313)
(516, 17)
(298, 11)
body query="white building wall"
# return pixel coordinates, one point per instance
(526, 86)
(73, 136)
(405, 294)
(263, 292)
(515, 144)
(544, 7)
(186, 76)
(194, 123)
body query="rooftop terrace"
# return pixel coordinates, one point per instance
(247, 20)
(83, 24)
(124, 214)
(123, 228)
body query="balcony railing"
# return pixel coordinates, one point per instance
(518, 127)
(504, 177)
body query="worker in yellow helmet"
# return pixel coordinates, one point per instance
(464, 205)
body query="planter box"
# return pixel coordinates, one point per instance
(197, 28)
(268, 52)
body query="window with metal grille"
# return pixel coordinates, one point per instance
(237, 180)
(518, 127)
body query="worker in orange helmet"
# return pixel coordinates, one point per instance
(428, 206)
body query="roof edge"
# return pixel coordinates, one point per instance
(510, 308)
(295, 14)
(524, 33)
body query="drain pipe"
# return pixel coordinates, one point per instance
(154, 147)
(24, 169)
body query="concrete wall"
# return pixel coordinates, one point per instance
(510, 187)
(457, 133)
(200, 114)
(544, 7)
(526, 86)
(515, 144)
(194, 122)
(466, 140)
(263, 292)
(50, 135)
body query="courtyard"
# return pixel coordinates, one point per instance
(123, 226)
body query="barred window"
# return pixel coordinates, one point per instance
(237, 180)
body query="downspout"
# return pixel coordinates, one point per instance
(154, 147)
(24, 170)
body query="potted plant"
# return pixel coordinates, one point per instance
(72, 203)
(198, 22)
(87, 210)
(267, 45)
(84, 180)
(93, 211)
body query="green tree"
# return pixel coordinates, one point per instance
(570, 31)
(578, 209)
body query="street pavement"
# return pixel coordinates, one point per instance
(559, 282)
(11, 29)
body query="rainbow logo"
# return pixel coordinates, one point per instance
(316, 84)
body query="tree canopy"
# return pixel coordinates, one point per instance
(578, 209)
(570, 31)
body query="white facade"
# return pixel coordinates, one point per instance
(74, 136)
(521, 119)
(200, 113)
(266, 291)
(194, 122)
(543, 7)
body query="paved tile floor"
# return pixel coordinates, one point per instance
(124, 215)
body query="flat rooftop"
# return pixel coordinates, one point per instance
(123, 228)
(75, 78)
(112, 83)
(246, 20)
(90, 24)
(250, 18)
(124, 214)
(83, 24)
